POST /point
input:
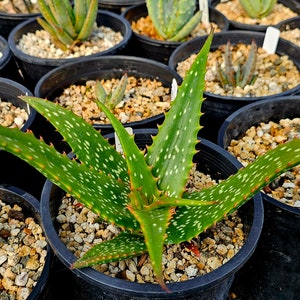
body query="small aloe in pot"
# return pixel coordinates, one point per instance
(257, 8)
(173, 19)
(241, 75)
(143, 192)
(68, 25)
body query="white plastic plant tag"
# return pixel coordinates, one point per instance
(117, 141)
(203, 7)
(271, 39)
(174, 89)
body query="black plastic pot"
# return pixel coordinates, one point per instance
(289, 24)
(9, 21)
(234, 25)
(117, 6)
(6, 55)
(17, 172)
(33, 68)
(217, 107)
(141, 45)
(31, 208)
(8, 67)
(273, 272)
(91, 284)
(52, 84)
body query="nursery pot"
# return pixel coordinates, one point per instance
(6, 55)
(33, 68)
(290, 24)
(273, 272)
(8, 67)
(235, 25)
(30, 207)
(141, 45)
(16, 171)
(54, 82)
(216, 107)
(91, 284)
(117, 6)
(8, 21)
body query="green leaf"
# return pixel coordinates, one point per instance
(154, 224)
(173, 147)
(124, 245)
(232, 192)
(89, 145)
(85, 184)
(143, 184)
(89, 21)
(188, 27)
(80, 11)
(173, 19)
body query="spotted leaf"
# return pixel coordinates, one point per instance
(123, 246)
(143, 184)
(88, 144)
(231, 193)
(103, 194)
(173, 147)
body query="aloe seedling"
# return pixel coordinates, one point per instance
(257, 8)
(143, 192)
(68, 25)
(111, 100)
(28, 6)
(173, 19)
(240, 75)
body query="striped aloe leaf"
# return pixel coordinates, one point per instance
(144, 193)
(68, 25)
(173, 19)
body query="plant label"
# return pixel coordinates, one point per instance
(203, 7)
(271, 39)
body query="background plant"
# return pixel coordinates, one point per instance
(28, 4)
(239, 75)
(173, 19)
(110, 100)
(257, 8)
(68, 25)
(144, 192)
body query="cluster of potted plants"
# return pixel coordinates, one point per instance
(155, 206)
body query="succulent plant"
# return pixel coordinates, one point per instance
(240, 75)
(257, 8)
(173, 19)
(28, 6)
(143, 192)
(68, 25)
(111, 99)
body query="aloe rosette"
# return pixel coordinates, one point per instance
(243, 74)
(257, 8)
(143, 192)
(173, 19)
(68, 25)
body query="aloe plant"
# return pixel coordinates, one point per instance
(68, 25)
(110, 100)
(28, 6)
(257, 8)
(173, 19)
(144, 192)
(240, 75)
